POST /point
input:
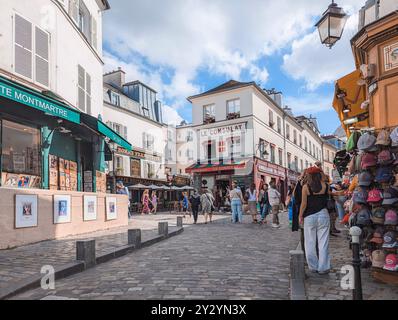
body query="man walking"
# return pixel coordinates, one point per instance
(275, 201)
(265, 206)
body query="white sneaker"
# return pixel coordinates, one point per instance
(275, 226)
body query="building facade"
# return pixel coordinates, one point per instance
(243, 134)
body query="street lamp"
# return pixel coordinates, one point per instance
(331, 25)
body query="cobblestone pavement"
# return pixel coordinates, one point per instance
(328, 287)
(213, 261)
(20, 263)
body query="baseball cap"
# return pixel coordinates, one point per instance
(394, 137)
(365, 179)
(385, 157)
(391, 218)
(378, 236)
(378, 215)
(374, 196)
(390, 196)
(368, 160)
(384, 175)
(383, 139)
(378, 259)
(390, 240)
(360, 196)
(363, 217)
(391, 263)
(367, 142)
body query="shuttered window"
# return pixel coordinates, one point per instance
(74, 10)
(84, 90)
(94, 41)
(32, 51)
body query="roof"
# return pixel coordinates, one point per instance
(138, 82)
(105, 4)
(229, 85)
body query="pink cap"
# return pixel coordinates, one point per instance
(375, 196)
(391, 218)
(391, 262)
(368, 160)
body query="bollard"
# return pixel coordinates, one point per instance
(355, 233)
(163, 228)
(134, 237)
(179, 222)
(85, 251)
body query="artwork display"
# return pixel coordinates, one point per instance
(101, 181)
(90, 208)
(53, 172)
(111, 208)
(391, 57)
(62, 209)
(25, 211)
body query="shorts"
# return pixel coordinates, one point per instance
(252, 207)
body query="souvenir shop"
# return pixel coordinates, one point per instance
(45, 144)
(372, 163)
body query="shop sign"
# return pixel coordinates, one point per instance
(138, 155)
(222, 131)
(223, 177)
(31, 100)
(272, 171)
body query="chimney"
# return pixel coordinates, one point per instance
(115, 78)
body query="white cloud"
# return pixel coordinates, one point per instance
(171, 116)
(315, 64)
(310, 103)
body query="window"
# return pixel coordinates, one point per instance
(135, 167)
(84, 90)
(190, 155)
(301, 141)
(296, 165)
(280, 155)
(209, 114)
(115, 99)
(149, 170)
(294, 136)
(235, 147)
(149, 141)
(272, 153)
(306, 164)
(287, 132)
(289, 160)
(301, 166)
(118, 128)
(190, 136)
(279, 125)
(233, 109)
(31, 52)
(305, 144)
(84, 21)
(271, 119)
(21, 154)
(169, 135)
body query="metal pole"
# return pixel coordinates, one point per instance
(355, 233)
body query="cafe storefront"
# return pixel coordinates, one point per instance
(265, 172)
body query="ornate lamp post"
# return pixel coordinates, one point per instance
(331, 25)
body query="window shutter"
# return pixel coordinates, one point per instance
(74, 10)
(23, 47)
(81, 89)
(125, 132)
(88, 93)
(94, 38)
(42, 57)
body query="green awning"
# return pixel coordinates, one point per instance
(23, 95)
(102, 128)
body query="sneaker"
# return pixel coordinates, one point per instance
(275, 226)
(323, 273)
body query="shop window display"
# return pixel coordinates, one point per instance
(21, 156)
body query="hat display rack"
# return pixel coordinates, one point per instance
(374, 165)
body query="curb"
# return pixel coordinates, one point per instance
(33, 282)
(297, 275)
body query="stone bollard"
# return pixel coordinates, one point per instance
(85, 251)
(163, 228)
(179, 222)
(297, 275)
(134, 237)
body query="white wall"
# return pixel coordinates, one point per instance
(67, 47)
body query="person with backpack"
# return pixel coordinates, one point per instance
(251, 196)
(275, 202)
(195, 203)
(207, 202)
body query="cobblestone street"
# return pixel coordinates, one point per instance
(213, 261)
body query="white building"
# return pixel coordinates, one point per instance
(242, 133)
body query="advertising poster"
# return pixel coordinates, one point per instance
(62, 209)
(25, 211)
(90, 208)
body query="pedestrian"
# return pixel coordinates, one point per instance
(340, 199)
(154, 201)
(195, 203)
(121, 189)
(236, 200)
(207, 202)
(185, 203)
(315, 217)
(251, 196)
(289, 203)
(265, 206)
(145, 202)
(275, 202)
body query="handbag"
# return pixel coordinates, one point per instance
(331, 204)
(212, 208)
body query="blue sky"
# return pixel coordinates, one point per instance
(184, 47)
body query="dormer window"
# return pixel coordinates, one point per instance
(115, 98)
(233, 109)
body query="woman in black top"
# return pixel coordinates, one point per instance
(315, 217)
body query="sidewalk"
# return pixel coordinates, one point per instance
(328, 287)
(24, 262)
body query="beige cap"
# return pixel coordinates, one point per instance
(378, 259)
(383, 139)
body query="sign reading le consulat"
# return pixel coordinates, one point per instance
(31, 100)
(227, 130)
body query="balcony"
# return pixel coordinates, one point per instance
(209, 120)
(233, 115)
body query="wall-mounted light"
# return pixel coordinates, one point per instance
(347, 109)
